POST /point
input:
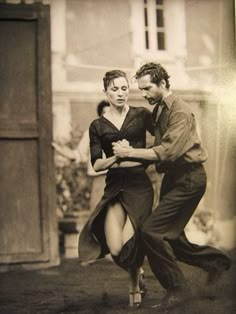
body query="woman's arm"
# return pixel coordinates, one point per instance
(104, 163)
(98, 162)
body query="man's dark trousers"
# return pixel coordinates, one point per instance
(164, 240)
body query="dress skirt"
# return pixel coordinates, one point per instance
(97, 189)
(133, 189)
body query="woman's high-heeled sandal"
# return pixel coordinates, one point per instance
(142, 286)
(135, 299)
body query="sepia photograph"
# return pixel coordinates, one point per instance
(117, 156)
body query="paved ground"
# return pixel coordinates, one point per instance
(101, 288)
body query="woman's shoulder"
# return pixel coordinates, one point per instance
(96, 122)
(98, 125)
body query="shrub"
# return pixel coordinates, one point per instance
(73, 185)
(73, 188)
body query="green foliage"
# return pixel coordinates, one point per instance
(73, 188)
(73, 185)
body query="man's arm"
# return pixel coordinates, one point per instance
(174, 143)
(130, 152)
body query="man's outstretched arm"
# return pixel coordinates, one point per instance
(130, 152)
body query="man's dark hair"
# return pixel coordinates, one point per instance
(102, 105)
(156, 72)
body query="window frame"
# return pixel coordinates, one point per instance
(151, 29)
(175, 32)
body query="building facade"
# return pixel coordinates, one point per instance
(194, 40)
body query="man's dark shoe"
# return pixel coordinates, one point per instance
(212, 288)
(214, 276)
(174, 298)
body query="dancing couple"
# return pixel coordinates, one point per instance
(123, 222)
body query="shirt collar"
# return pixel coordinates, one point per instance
(168, 101)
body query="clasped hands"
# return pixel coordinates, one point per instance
(121, 148)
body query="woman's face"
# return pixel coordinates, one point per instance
(117, 92)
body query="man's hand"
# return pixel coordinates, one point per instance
(121, 149)
(123, 143)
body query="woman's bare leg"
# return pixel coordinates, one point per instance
(114, 225)
(118, 230)
(135, 297)
(134, 279)
(128, 230)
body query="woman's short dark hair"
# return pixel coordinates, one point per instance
(102, 105)
(156, 72)
(111, 75)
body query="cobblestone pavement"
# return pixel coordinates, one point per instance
(102, 288)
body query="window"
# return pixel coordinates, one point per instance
(154, 24)
(158, 30)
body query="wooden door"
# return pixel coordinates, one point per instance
(28, 226)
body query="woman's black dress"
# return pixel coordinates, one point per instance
(130, 186)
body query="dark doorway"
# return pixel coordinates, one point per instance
(28, 226)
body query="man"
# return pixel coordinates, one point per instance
(177, 152)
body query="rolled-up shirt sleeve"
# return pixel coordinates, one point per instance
(176, 141)
(95, 144)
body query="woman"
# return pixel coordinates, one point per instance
(128, 195)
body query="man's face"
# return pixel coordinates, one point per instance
(150, 91)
